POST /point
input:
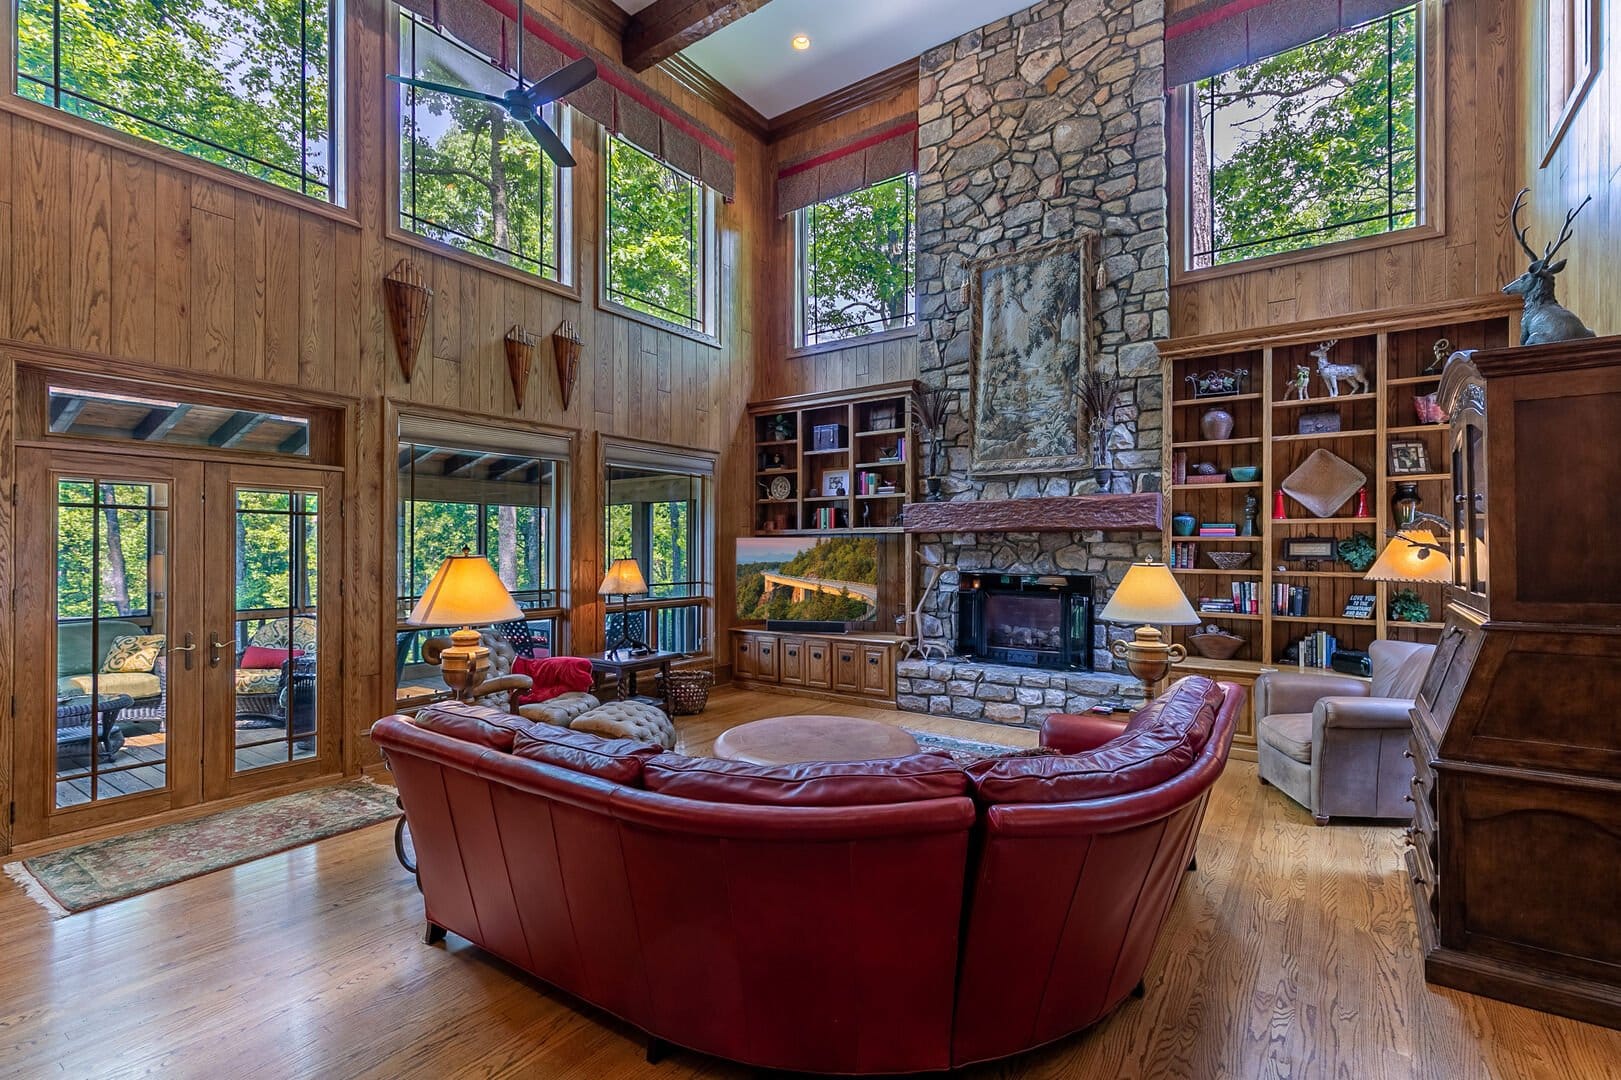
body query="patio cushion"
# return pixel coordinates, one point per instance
(133, 653)
(257, 680)
(262, 657)
(138, 685)
(276, 634)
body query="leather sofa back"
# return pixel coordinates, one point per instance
(817, 783)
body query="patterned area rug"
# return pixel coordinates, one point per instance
(963, 750)
(89, 875)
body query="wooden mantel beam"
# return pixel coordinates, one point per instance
(665, 27)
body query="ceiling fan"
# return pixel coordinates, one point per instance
(525, 102)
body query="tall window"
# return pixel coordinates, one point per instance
(657, 238)
(241, 83)
(657, 516)
(857, 262)
(469, 176)
(492, 500)
(1307, 147)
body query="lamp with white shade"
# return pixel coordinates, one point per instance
(465, 592)
(1412, 555)
(1149, 595)
(624, 579)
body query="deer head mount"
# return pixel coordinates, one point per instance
(1544, 320)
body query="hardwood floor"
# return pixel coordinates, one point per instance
(1290, 953)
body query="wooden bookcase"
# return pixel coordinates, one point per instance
(874, 439)
(1394, 347)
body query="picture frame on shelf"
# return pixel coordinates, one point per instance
(1222, 382)
(1408, 457)
(884, 417)
(1318, 422)
(1361, 606)
(1314, 548)
(836, 483)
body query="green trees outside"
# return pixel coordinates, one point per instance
(859, 258)
(655, 240)
(243, 83)
(1321, 140)
(102, 561)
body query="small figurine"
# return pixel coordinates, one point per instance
(1442, 349)
(1252, 506)
(1333, 374)
(1300, 385)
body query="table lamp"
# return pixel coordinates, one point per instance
(624, 580)
(1149, 595)
(464, 592)
(1412, 555)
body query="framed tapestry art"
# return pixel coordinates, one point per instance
(1032, 340)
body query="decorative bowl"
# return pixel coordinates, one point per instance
(1216, 645)
(1230, 560)
(1244, 474)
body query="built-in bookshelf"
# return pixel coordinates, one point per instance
(833, 462)
(1293, 588)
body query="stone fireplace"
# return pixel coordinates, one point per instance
(1042, 126)
(1026, 620)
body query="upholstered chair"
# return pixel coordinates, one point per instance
(1337, 745)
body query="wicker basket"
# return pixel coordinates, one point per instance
(1220, 646)
(1230, 560)
(688, 690)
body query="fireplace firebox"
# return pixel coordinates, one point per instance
(1034, 620)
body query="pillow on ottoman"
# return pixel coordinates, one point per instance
(628, 720)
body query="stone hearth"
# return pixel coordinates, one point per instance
(1006, 695)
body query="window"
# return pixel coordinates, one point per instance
(469, 176)
(110, 414)
(498, 499)
(1572, 61)
(244, 85)
(658, 225)
(1308, 147)
(857, 262)
(656, 513)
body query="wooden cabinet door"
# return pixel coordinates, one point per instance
(876, 677)
(818, 663)
(743, 657)
(765, 658)
(791, 661)
(847, 667)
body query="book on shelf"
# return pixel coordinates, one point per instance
(1246, 598)
(1316, 650)
(1184, 556)
(1218, 530)
(1214, 605)
(1179, 467)
(1291, 599)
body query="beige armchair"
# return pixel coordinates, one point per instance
(1337, 745)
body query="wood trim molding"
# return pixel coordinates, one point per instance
(849, 99)
(711, 91)
(1074, 513)
(1488, 306)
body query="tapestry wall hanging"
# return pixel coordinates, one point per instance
(1032, 341)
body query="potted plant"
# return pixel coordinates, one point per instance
(1100, 398)
(1407, 606)
(1357, 551)
(930, 408)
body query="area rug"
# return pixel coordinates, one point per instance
(962, 750)
(89, 875)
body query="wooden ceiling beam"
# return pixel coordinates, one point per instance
(159, 422)
(665, 27)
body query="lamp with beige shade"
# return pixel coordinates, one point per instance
(1150, 596)
(1412, 555)
(624, 579)
(465, 592)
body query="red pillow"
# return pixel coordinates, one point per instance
(618, 760)
(258, 657)
(880, 781)
(553, 676)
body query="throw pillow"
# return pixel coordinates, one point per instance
(134, 654)
(259, 657)
(553, 676)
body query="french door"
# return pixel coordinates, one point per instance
(170, 625)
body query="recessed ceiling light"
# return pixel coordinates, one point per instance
(801, 42)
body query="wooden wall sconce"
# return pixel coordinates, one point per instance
(520, 345)
(567, 346)
(408, 299)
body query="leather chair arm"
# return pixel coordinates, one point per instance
(1362, 712)
(1287, 692)
(1074, 733)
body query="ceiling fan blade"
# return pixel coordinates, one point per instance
(561, 83)
(441, 88)
(549, 142)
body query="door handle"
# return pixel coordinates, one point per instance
(214, 647)
(188, 648)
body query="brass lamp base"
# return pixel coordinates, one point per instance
(466, 664)
(1148, 657)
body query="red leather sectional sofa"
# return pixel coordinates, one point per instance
(887, 916)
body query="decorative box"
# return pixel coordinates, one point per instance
(827, 437)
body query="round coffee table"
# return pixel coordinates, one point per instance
(781, 740)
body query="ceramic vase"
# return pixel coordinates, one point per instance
(1216, 424)
(1183, 524)
(1404, 503)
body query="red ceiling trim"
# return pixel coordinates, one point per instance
(905, 127)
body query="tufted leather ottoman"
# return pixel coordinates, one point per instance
(560, 710)
(628, 720)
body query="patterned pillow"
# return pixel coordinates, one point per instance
(133, 654)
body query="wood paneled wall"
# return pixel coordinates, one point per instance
(782, 371)
(1475, 255)
(1587, 161)
(146, 263)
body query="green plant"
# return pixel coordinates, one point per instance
(1357, 551)
(1407, 606)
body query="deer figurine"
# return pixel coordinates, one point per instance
(1333, 374)
(1544, 320)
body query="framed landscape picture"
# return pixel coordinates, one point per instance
(1032, 340)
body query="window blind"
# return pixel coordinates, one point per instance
(1207, 37)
